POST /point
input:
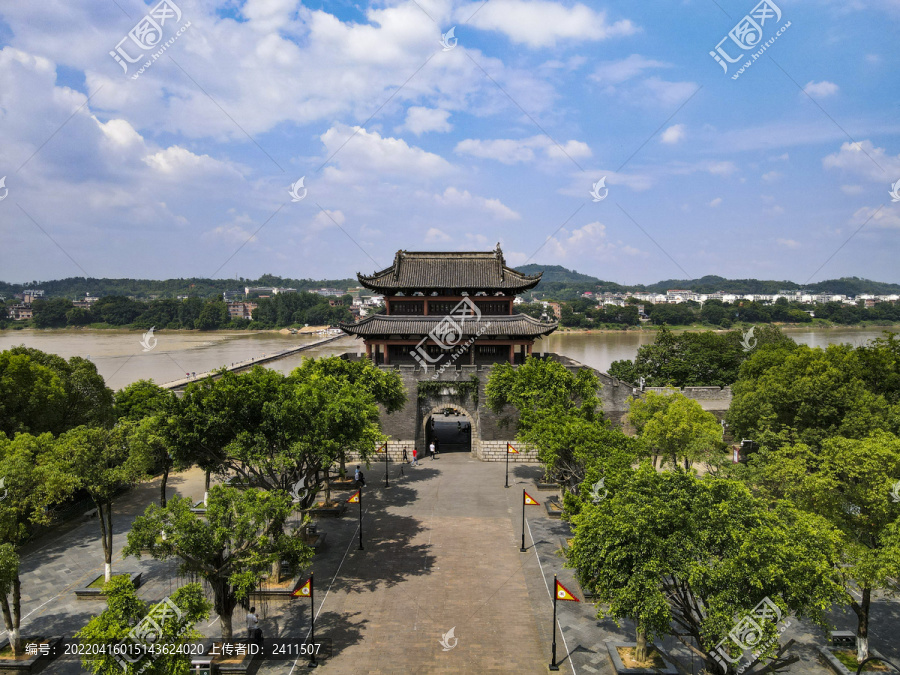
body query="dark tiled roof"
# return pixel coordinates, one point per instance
(476, 271)
(517, 325)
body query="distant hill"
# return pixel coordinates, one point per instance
(558, 282)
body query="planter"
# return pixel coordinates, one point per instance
(237, 665)
(29, 663)
(545, 486)
(346, 484)
(199, 507)
(283, 590)
(839, 668)
(619, 665)
(91, 592)
(334, 511)
(554, 507)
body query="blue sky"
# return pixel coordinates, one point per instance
(404, 142)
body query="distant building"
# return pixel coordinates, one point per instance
(276, 291)
(20, 313)
(228, 296)
(30, 296)
(328, 292)
(241, 310)
(258, 290)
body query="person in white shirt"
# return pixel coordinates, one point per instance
(252, 623)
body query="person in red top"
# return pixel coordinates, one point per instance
(415, 461)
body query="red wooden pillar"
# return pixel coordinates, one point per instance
(512, 354)
(426, 308)
(387, 355)
(368, 351)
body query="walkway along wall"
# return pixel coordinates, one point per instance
(490, 431)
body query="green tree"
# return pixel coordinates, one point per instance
(101, 461)
(124, 613)
(230, 548)
(213, 315)
(810, 394)
(677, 428)
(51, 313)
(43, 392)
(31, 483)
(851, 486)
(684, 556)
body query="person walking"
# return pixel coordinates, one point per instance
(415, 461)
(360, 478)
(252, 623)
(431, 449)
(405, 456)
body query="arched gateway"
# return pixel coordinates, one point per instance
(448, 317)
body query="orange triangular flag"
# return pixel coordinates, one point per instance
(304, 590)
(562, 593)
(511, 450)
(354, 498)
(529, 500)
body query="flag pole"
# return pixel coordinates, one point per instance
(553, 665)
(312, 619)
(523, 521)
(386, 484)
(507, 466)
(360, 517)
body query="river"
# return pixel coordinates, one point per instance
(121, 359)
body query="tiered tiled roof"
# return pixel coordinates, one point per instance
(452, 272)
(517, 325)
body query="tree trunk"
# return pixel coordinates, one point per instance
(162, 485)
(206, 490)
(862, 627)
(224, 604)
(343, 466)
(104, 512)
(327, 486)
(11, 616)
(640, 650)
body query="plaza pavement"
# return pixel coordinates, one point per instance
(441, 551)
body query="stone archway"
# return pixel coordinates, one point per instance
(433, 407)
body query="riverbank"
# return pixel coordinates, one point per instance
(824, 326)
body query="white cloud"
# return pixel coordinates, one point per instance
(724, 168)
(852, 189)
(886, 217)
(673, 134)
(514, 151)
(865, 160)
(715, 202)
(358, 151)
(455, 198)
(436, 236)
(772, 176)
(788, 243)
(617, 72)
(540, 23)
(420, 120)
(820, 89)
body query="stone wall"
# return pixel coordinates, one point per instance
(490, 431)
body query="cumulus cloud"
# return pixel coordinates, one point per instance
(436, 236)
(420, 120)
(541, 23)
(673, 134)
(356, 150)
(821, 89)
(864, 160)
(886, 217)
(715, 202)
(455, 198)
(788, 243)
(772, 176)
(524, 150)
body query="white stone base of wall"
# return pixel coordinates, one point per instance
(486, 451)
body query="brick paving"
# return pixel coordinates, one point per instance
(441, 552)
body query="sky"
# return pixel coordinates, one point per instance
(631, 141)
